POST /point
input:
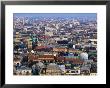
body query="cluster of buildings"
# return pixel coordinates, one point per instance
(59, 46)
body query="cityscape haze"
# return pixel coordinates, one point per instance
(55, 44)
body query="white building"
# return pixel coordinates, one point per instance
(93, 42)
(84, 56)
(24, 71)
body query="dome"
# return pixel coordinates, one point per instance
(84, 56)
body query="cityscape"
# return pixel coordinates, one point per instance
(54, 44)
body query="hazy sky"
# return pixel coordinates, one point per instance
(54, 15)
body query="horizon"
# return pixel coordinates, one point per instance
(56, 15)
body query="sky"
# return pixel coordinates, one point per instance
(55, 15)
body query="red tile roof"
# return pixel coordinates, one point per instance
(32, 57)
(75, 61)
(45, 57)
(41, 47)
(60, 58)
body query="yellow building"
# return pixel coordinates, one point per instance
(29, 43)
(60, 49)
